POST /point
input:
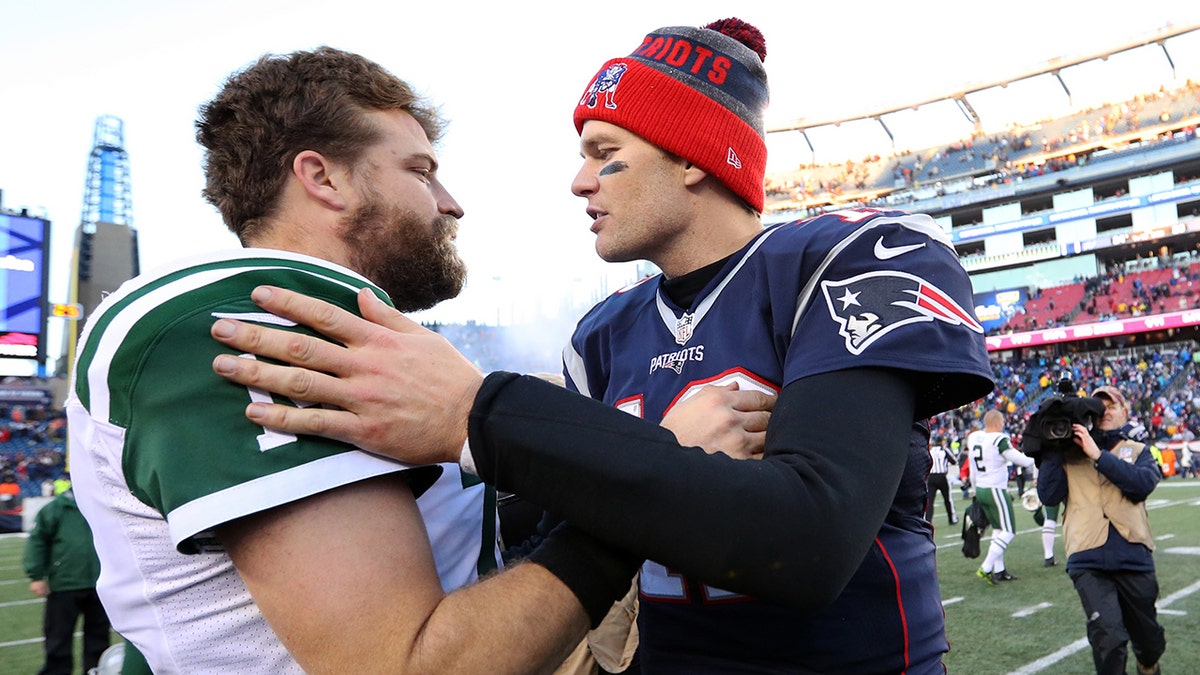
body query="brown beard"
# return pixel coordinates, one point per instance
(414, 262)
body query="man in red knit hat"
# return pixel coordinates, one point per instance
(859, 321)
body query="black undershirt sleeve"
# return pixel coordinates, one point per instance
(790, 528)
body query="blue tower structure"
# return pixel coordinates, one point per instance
(107, 197)
(107, 205)
(106, 246)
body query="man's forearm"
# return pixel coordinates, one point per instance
(368, 597)
(569, 584)
(500, 624)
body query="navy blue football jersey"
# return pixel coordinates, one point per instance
(850, 289)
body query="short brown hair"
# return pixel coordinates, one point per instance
(280, 106)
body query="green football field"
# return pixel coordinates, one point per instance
(1031, 625)
(1036, 624)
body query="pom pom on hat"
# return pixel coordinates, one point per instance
(699, 93)
(742, 32)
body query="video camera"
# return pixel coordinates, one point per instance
(1050, 428)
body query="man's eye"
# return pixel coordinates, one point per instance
(600, 153)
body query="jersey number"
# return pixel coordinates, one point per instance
(662, 584)
(270, 439)
(659, 583)
(977, 458)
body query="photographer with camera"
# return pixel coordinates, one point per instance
(1106, 528)
(991, 450)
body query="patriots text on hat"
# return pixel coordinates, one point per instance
(682, 54)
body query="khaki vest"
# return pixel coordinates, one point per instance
(1093, 502)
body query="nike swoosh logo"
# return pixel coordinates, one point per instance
(886, 253)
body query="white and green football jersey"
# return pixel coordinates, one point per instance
(161, 453)
(990, 453)
(986, 449)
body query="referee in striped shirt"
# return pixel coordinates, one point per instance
(937, 482)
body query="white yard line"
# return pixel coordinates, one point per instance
(1051, 659)
(1082, 643)
(1030, 611)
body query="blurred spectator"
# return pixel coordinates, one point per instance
(62, 566)
(10, 503)
(9, 486)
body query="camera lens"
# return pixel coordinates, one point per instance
(1056, 428)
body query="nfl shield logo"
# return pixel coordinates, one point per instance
(683, 329)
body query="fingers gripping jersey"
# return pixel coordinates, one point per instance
(161, 454)
(845, 290)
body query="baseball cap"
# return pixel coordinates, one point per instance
(1113, 394)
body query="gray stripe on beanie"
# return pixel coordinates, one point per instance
(751, 111)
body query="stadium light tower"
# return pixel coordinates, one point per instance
(105, 254)
(107, 196)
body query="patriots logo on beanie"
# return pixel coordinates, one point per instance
(605, 83)
(699, 93)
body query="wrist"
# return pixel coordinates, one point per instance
(596, 573)
(460, 416)
(466, 461)
(481, 450)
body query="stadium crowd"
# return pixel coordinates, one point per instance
(1161, 383)
(32, 447)
(1022, 151)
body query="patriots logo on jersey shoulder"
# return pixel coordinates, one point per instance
(871, 305)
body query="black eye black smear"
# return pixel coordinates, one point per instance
(615, 167)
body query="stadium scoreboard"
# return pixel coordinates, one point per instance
(24, 263)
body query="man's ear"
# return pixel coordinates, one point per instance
(692, 174)
(320, 178)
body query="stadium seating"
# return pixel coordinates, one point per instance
(1096, 135)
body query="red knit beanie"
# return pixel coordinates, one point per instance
(698, 93)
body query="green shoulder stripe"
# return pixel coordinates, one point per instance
(179, 284)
